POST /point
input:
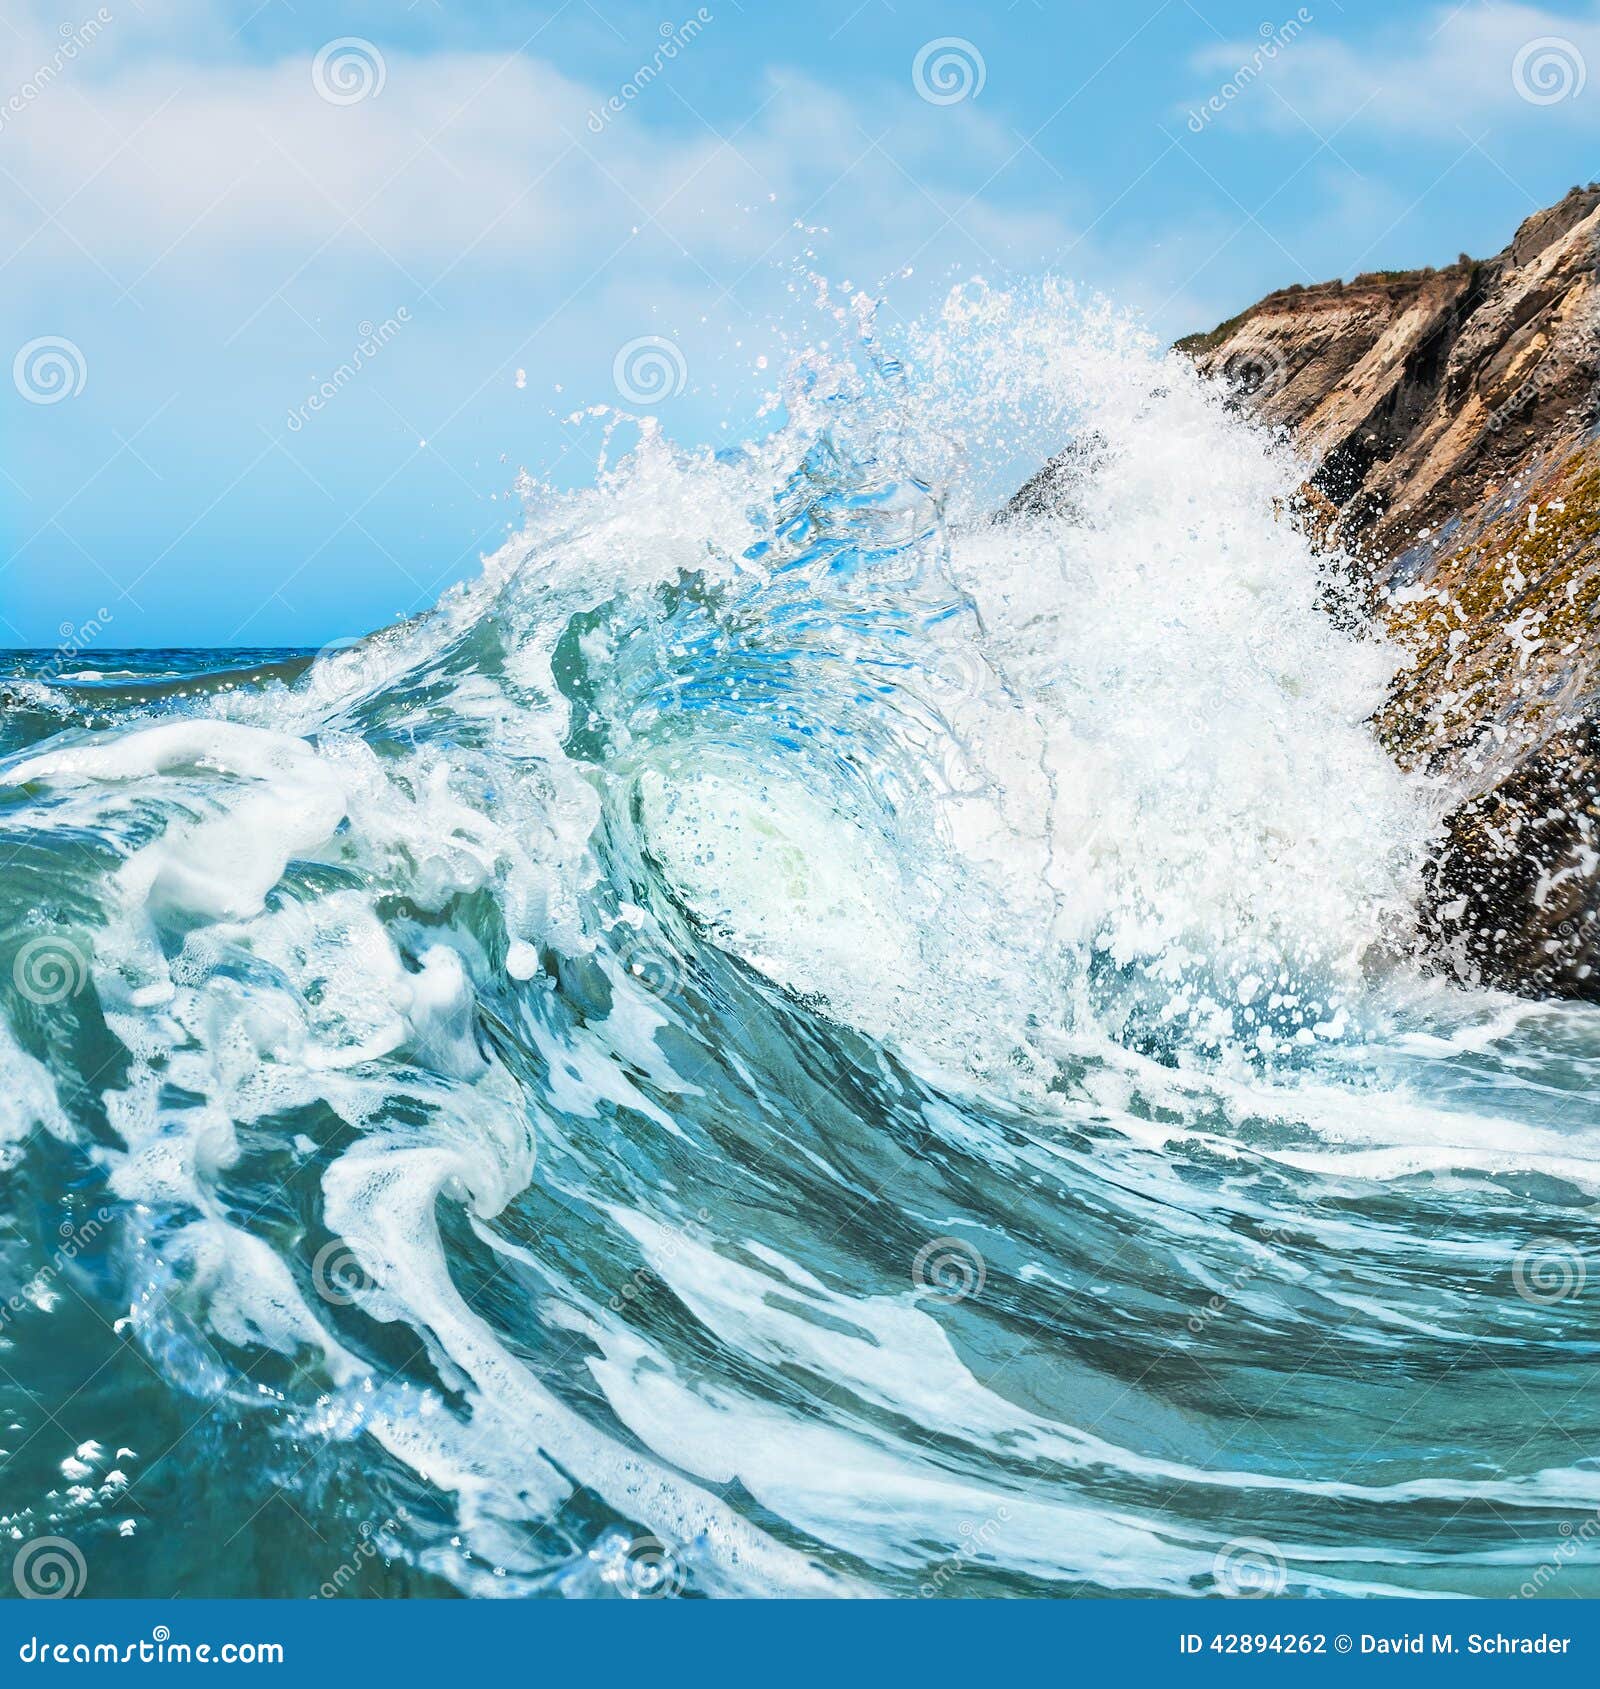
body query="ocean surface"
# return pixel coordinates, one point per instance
(792, 1038)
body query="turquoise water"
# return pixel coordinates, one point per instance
(791, 1039)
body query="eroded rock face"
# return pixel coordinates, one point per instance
(1454, 420)
(1513, 891)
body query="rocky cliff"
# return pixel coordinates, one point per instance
(1453, 419)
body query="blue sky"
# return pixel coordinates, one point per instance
(214, 206)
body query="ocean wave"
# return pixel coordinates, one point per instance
(795, 1037)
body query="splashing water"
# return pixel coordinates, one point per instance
(795, 1037)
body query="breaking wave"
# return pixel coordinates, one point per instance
(800, 1036)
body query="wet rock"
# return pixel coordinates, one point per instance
(1451, 416)
(1054, 491)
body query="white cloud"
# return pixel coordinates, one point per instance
(1429, 73)
(158, 164)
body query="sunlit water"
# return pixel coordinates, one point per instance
(791, 1039)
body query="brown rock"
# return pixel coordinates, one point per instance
(1452, 418)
